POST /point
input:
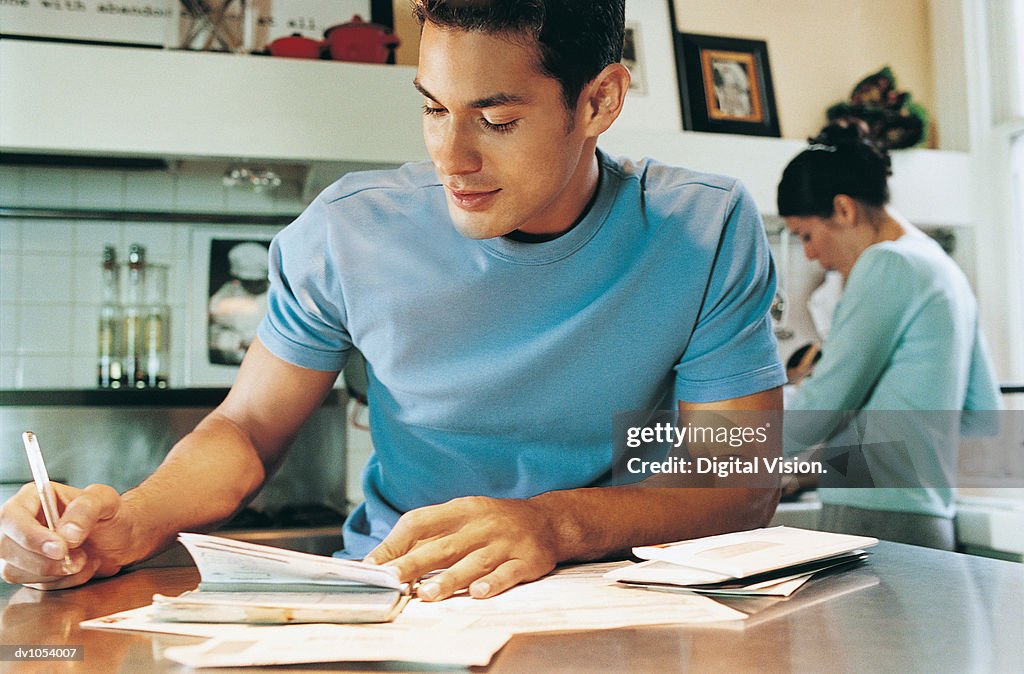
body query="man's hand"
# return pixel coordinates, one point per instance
(93, 530)
(485, 544)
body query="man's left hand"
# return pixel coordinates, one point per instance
(484, 544)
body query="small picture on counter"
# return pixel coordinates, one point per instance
(229, 299)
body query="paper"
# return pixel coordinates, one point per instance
(296, 644)
(227, 561)
(575, 598)
(658, 575)
(248, 583)
(745, 553)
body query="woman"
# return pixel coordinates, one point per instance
(904, 337)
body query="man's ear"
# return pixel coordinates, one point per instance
(603, 97)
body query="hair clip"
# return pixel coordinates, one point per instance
(821, 147)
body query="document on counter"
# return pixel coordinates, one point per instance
(761, 562)
(575, 598)
(297, 644)
(249, 583)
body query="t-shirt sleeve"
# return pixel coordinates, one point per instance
(305, 321)
(732, 351)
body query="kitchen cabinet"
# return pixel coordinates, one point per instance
(85, 99)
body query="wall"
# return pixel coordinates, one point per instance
(50, 286)
(819, 49)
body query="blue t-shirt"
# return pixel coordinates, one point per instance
(495, 366)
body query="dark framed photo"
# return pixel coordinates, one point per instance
(725, 85)
(228, 300)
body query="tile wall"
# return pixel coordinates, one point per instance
(50, 284)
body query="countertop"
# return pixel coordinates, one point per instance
(906, 609)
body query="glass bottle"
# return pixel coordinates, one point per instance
(110, 338)
(156, 324)
(134, 361)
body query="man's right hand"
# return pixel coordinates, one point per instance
(94, 529)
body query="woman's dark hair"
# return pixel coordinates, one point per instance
(576, 38)
(840, 160)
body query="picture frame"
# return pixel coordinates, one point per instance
(725, 85)
(652, 101)
(224, 307)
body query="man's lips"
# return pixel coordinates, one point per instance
(472, 200)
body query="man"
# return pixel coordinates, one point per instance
(508, 299)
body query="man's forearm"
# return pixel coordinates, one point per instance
(599, 522)
(205, 479)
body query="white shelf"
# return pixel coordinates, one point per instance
(929, 187)
(64, 98)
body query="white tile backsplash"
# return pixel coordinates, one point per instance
(144, 189)
(10, 319)
(49, 187)
(11, 184)
(99, 189)
(10, 277)
(10, 236)
(47, 278)
(46, 329)
(50, 269)
(91, 236)
(47, 236)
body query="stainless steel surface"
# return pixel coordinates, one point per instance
(907, 609)
(120, 446)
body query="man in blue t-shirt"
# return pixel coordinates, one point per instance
(509, 297)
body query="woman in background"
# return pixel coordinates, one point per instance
(905, 337)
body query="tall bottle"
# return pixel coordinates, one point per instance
(156, 324)
(134, 309)
(111, 337)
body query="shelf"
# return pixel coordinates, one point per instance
(170, 397)
(929, 187)
(79, 99)
(83, 99)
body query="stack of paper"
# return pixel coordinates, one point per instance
(772, 562)
(248, 583)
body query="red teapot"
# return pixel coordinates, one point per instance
(361, 41)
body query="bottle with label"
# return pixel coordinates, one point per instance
(110, 337)
(156, 324)
(134, 310)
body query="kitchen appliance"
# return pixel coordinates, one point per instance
(361, 41)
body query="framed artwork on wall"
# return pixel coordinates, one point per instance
(227, 301)
(725, 85)
(652, 101)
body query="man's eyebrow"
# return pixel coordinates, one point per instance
(491, 101)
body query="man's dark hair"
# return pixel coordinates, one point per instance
(576, 39)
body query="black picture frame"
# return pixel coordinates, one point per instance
(725, 85)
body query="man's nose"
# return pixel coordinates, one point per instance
(455, 152)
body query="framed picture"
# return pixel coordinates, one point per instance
(227, 302)
(632, 57)
(652, 101)
(725, 85)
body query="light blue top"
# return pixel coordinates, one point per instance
(905, 336)
(494, 365)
